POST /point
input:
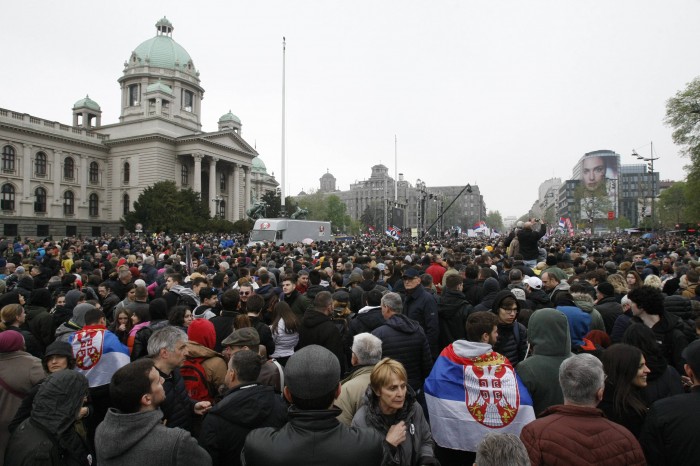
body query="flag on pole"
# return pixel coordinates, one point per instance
(562, 222)
(393, 232)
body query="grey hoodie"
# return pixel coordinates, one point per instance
(548, 333)
(141, 438)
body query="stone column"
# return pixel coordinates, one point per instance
(229, 199)
(58, 198)
(27, 170)
(236, 192)
(213, 191)
(83, 178)
(197, 185)
(247, 187)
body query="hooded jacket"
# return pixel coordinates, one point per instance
(490, 290)
(453, 310)
(404, 340)
(585, 302)
(366, 320)
(610, 309)
(244, 408)
(318, 329)
(49, 431)
(512, 341)
(141, 438)
(548, 334)
(421, 306)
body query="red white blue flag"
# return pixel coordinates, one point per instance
(98, 354)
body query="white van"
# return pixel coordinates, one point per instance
(284, 230)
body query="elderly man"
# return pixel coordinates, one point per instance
(168, 349)
(313, 436)
(577, 432)
(366, 352)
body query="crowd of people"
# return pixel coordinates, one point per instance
(197, 350)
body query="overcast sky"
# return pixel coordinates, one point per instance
(503, 94)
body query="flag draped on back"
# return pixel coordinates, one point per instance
(471, 392)
(98, 354)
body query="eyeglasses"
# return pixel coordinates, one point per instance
(245, 293)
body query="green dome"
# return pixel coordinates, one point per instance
(159, 86)
(259, 166)
(162, 51)
(87, 102)
(230, 117)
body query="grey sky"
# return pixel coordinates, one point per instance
(504, 94)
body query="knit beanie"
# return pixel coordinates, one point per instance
(202, 331)
(10, 341)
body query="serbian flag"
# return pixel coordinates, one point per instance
(98, 354)
(479, 224)
(472, 391)
(562, 222)
(394, 232)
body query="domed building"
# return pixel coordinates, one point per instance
(65, 180)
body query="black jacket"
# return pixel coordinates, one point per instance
(528, 242)
(670, 332)
(512, 342)
(313, 438)
(610, 309)
(628, 418)
(670, 435)
(366, 320)
(178, 407)
(404, 340)
(453, 309)
(319, 329)
(223, 325)
(421, 306)
(242, 409)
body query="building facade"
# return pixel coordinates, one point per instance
(64, 180)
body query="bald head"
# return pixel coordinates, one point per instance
(528, 225)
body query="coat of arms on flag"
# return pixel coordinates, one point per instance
(87, 348)
(492, 392)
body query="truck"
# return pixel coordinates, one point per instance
(286, 230)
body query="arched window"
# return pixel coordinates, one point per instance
(40, 200)
(126, 202)
(68, 168)
(40, 164)
(94, 172)
(185, 175)
(68, 203)
(222, 209)
(93, 205)
(222, 181)
(127, 172)
(8, 159)
(8, 197)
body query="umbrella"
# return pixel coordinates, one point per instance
(307, 241)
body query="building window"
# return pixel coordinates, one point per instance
(96, 232)
(68, 168)
(40, 200)
(222, 181)
(42, 230)
(222, 209)
(8, 159)
(94, 172)
(68, 203)
(127, 172)
(8, 197)
(93, 205)
(134, 97)
(126, 203)
(40, 164)
(187, 100)
(185, 175)
(9, 229)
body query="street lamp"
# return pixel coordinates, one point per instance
(650, 160)
(217, 200)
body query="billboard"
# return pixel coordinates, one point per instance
(598, 173)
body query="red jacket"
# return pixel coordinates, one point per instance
(579, 436)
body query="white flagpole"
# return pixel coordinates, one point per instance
(283, 190)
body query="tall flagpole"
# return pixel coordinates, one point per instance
(396, 174)
(283, 211)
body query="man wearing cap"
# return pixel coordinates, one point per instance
(247, 338)
(607, 305)
(536, 298)
(421, 306)
(313, 436)
(670, 434)
(247, 405)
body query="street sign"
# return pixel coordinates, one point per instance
(611, 215)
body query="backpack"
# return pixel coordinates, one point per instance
(198, 387)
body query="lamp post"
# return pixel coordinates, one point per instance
(217, 200)
(650, 160)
